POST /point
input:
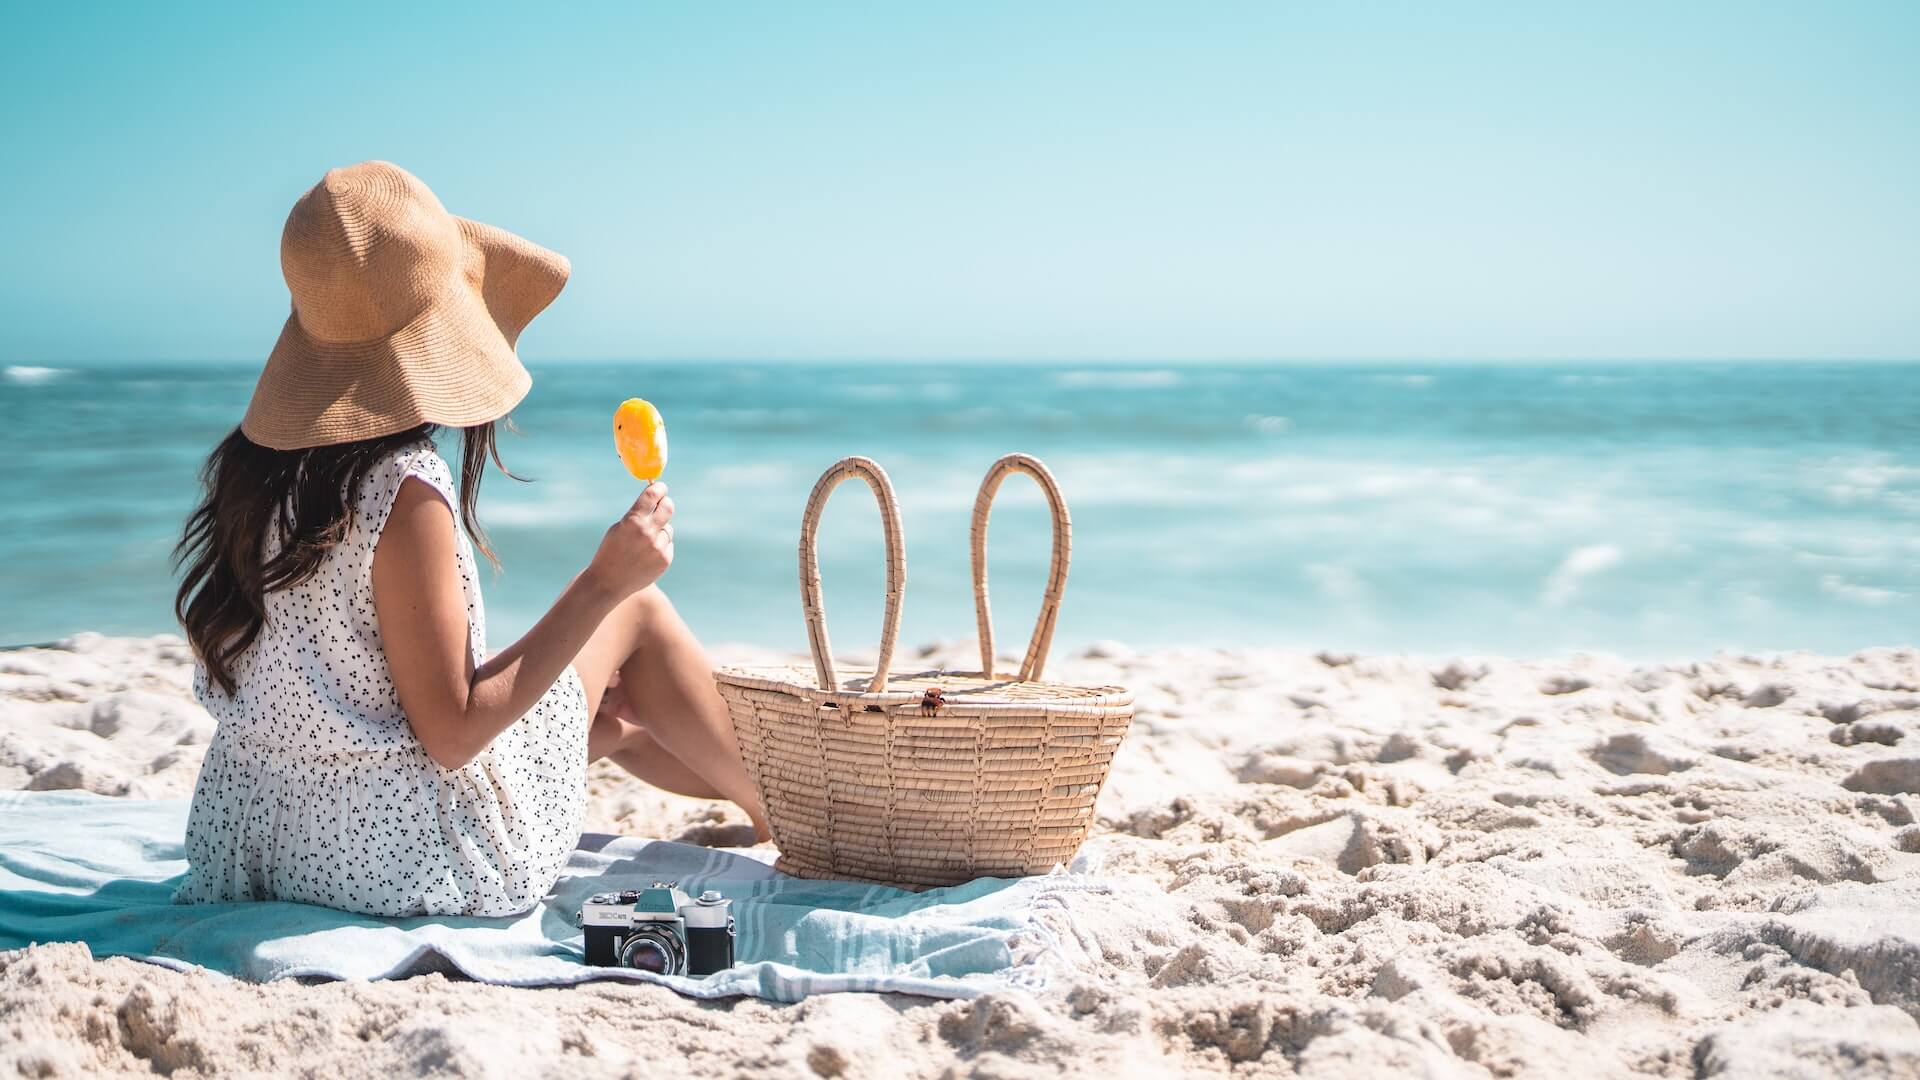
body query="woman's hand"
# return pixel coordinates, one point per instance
(613, 701)
(638, 548)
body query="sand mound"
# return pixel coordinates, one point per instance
(1327, 865)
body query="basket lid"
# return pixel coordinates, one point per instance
(962, 690)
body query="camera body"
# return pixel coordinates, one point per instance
(660, 929)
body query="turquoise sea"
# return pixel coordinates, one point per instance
(1653, 510)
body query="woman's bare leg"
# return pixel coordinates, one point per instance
(670, 705)
(668, 682)
(630, 747)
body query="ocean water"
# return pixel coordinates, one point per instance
(1651, 510)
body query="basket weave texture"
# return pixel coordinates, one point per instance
(935, 777)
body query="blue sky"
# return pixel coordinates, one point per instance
(1111, 180)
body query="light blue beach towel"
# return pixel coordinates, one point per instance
(79, 867)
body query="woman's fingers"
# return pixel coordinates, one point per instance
(649, 499)
(612, 698)
(638, 548)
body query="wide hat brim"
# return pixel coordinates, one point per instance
(453, 364)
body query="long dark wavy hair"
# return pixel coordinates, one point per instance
(305, 498)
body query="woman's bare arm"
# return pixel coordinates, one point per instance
(455, 708)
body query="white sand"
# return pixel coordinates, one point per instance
(1324, 865)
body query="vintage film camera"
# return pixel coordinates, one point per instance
(660, 930)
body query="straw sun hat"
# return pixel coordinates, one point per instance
(402, 314)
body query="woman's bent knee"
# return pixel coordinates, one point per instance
(649, 604)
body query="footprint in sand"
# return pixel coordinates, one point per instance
(1631, 753)
(1888, 776)
(1555, 685)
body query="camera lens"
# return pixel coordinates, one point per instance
(648, 956)
(654, 950)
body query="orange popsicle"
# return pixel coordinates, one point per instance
(641, 437)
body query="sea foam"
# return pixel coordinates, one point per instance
(29, 375)
(1118, 380)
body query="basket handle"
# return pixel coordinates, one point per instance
(816, 613)
(1036, 658)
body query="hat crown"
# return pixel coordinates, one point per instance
(402, 314)
(365, 251)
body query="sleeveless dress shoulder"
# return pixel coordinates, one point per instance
(315, 788)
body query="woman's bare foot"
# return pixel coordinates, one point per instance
(623, 739)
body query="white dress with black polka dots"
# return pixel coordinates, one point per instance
(315, 789)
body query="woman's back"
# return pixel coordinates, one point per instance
(316, 679)
(316, 789)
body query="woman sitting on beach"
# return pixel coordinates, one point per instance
(370, 755)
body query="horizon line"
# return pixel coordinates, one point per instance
(1112, 361)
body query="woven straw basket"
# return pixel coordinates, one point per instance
(932, 778)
